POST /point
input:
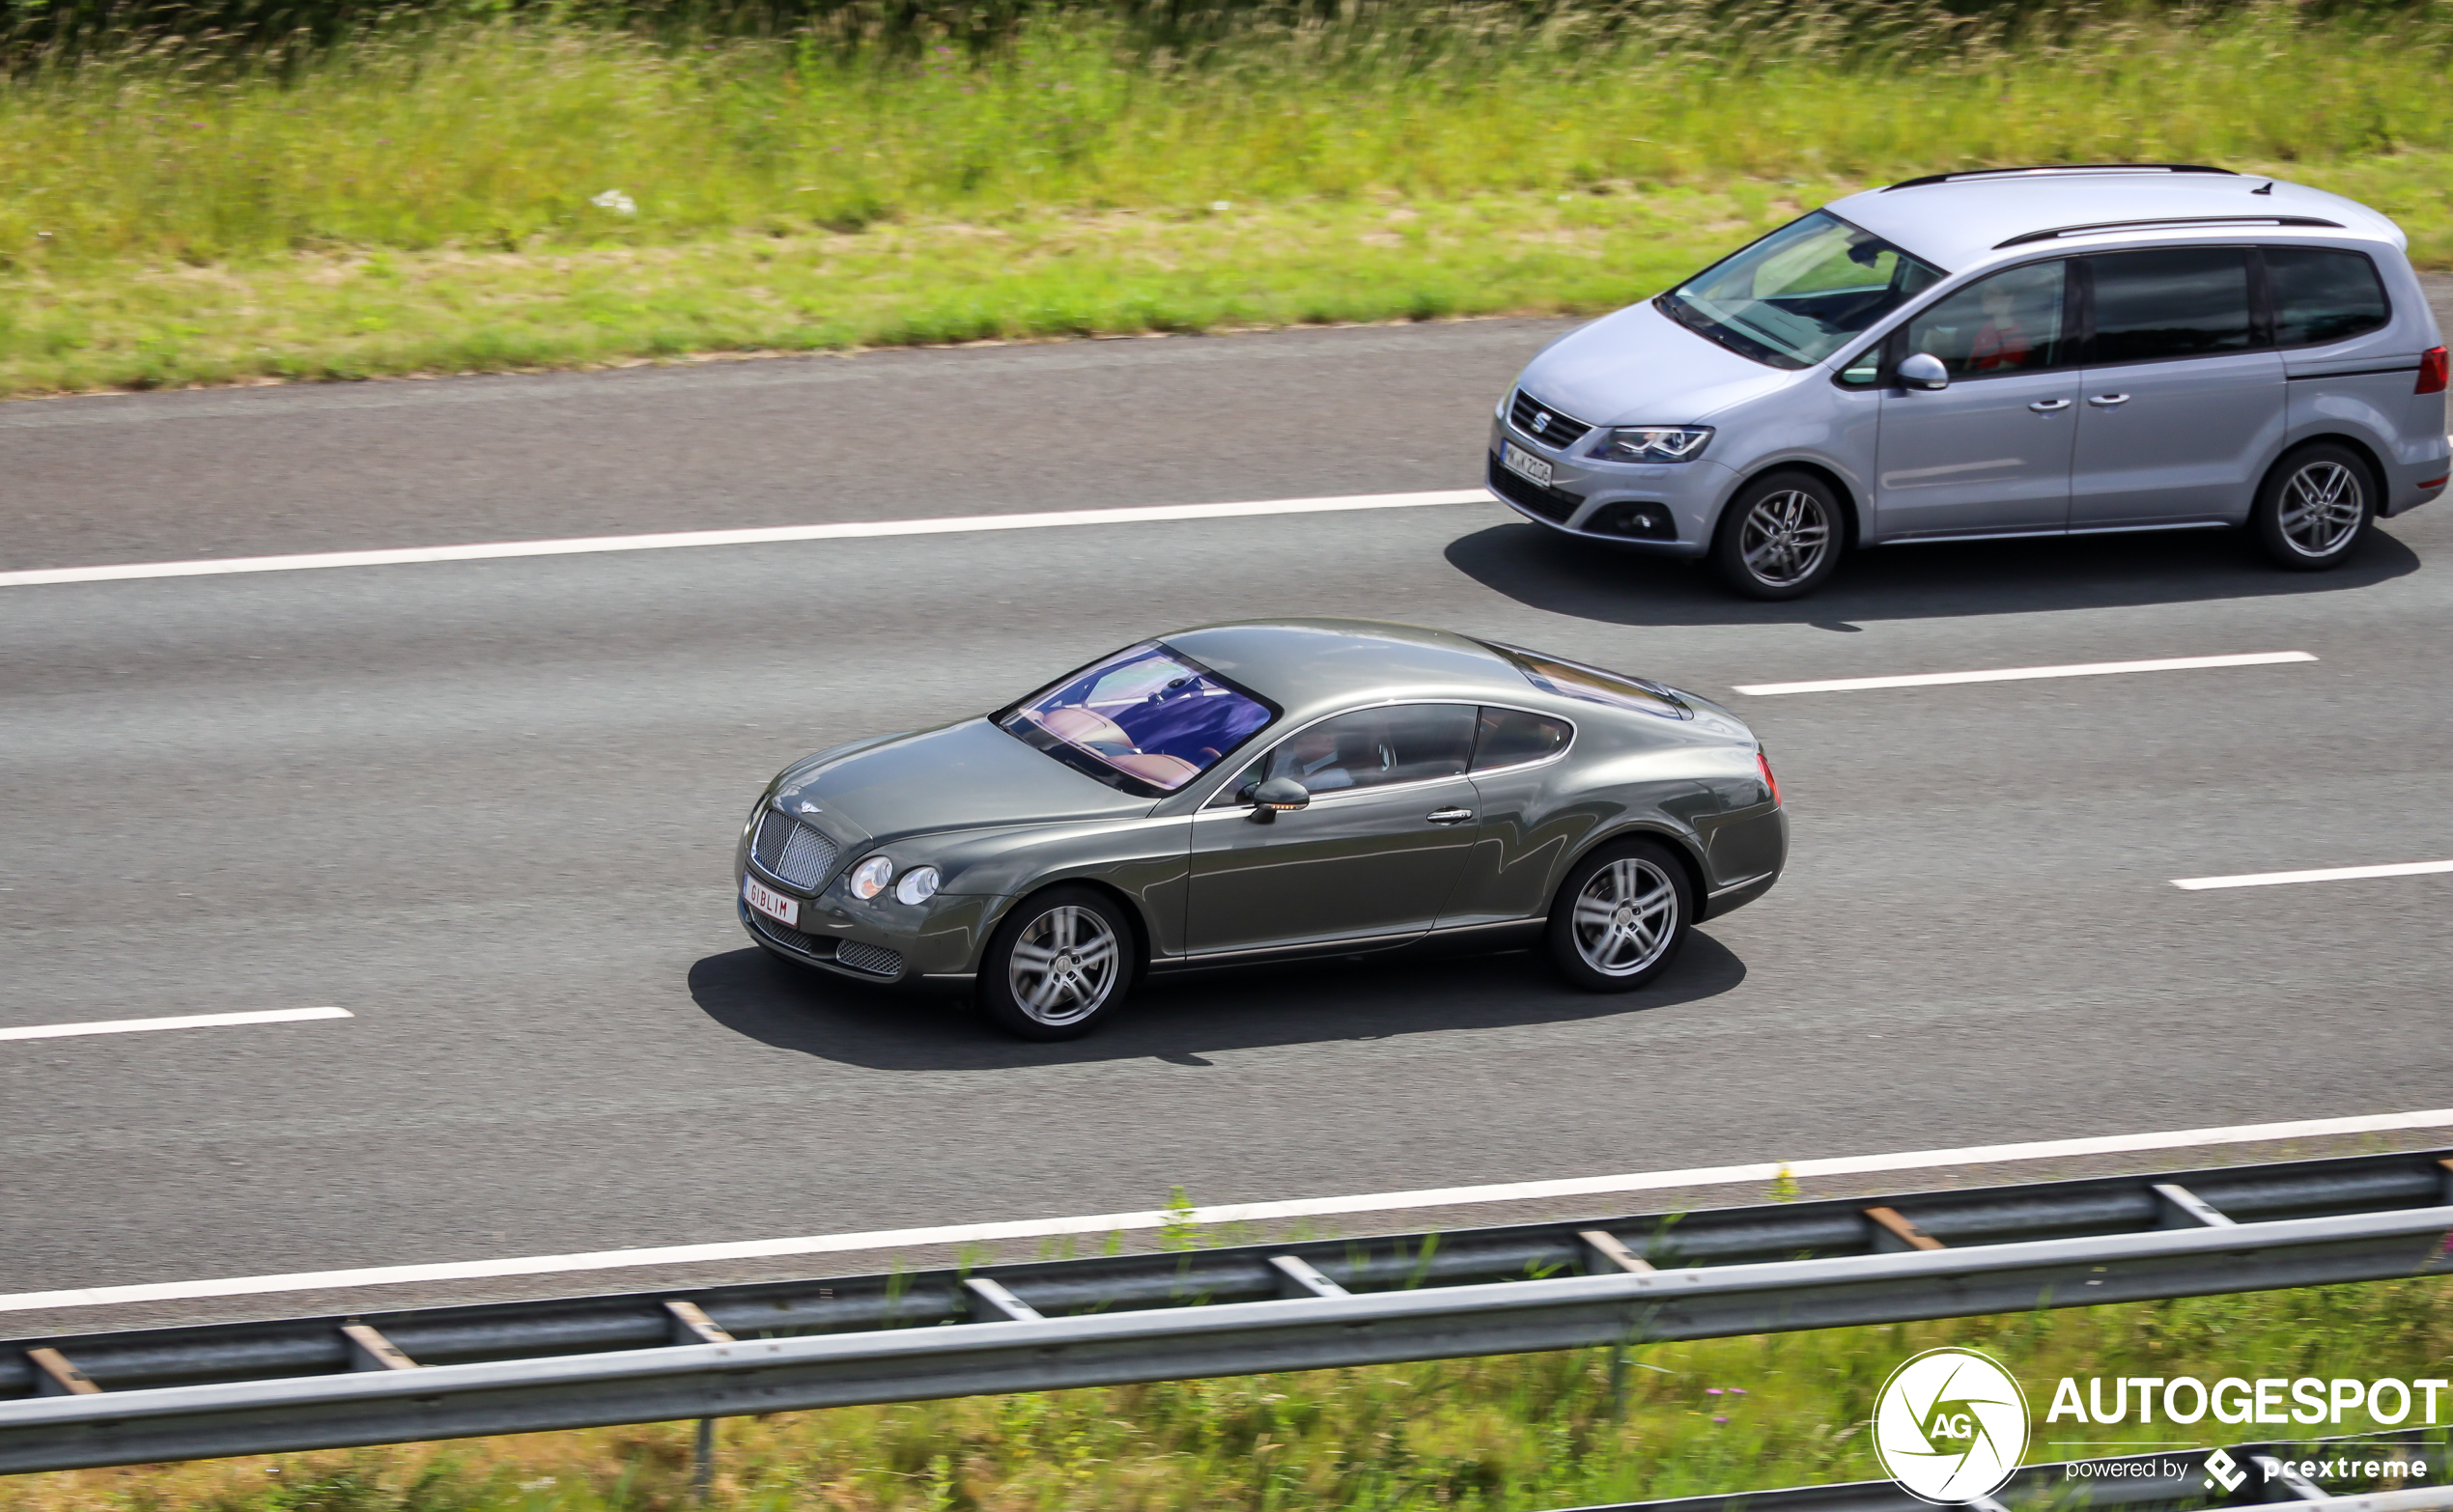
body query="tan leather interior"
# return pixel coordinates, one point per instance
(1084, 726)
(1167, 771)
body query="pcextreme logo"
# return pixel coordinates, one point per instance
(1950, 1425)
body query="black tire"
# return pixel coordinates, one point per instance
(1780, 538)
(1620, 956)
(1080, 984)
(2315, 507)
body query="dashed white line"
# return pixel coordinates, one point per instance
(186, 1021)
(849, 531)
(1228, 1213)
(2323, 874)
(1851, 684)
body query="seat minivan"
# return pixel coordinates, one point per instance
(2007, 353)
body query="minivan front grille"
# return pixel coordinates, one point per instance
(787, 848)
(1552, 504)
(1544, 423)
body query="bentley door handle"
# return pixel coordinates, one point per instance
(1449, 816)
(2107, 401)
(2049, 406)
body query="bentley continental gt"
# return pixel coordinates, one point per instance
(1266, 791)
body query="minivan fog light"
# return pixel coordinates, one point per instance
(870, 877)
(1656, 443)
(918, 884)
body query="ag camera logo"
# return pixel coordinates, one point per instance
(1950, 1425)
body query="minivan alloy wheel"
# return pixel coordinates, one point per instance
(1626, 916)
(2322, 507)
(1784, 537)
(1064, 965)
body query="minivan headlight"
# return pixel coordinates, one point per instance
(918, 884)
(1652, 443)
(870, 877)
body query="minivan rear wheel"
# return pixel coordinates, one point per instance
(2314, 506)
(1780, 538)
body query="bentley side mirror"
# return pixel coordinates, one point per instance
(1923, 370)
(1276, 796)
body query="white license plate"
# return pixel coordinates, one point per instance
(771, 903)
(1524, 462)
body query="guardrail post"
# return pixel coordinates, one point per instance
(692, 1325)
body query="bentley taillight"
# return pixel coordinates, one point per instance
(1763, 764)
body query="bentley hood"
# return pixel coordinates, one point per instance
(1638, 367)
(959, 776)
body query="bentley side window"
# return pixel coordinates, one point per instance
(1512, 738)
(1369, 748)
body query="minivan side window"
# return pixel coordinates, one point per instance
(2321, 295)
(2171, 302)
(2009, 322)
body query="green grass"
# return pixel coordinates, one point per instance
(420, 199)
(1516, 1433)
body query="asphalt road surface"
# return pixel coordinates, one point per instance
(489, 809)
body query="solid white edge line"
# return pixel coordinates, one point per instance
(849, 531)
(2326, 873)
(186, 1021)
(1850, 685)
(1229, 1212)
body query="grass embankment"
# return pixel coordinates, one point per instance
(1516, 1433)
(422, 199)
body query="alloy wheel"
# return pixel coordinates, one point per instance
(2322, 507)
(1626, 916)
(1064, 966)
(1785, 537)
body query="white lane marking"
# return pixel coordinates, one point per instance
(2325, 874)
(186, 1021)
(848, 530)
(1851, 684)
(1226, 1212)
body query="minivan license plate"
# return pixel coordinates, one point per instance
(771, 903)
(1524, 462)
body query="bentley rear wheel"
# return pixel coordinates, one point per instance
(1620, 916)
(1059, 964)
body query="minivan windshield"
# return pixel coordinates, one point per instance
(1147, 719)
(1800, 293)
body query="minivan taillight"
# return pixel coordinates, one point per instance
(1763, 764)
(2432, 372)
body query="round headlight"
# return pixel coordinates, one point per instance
(918, 884)
(870, 877)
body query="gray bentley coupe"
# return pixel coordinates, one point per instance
(1266, 791)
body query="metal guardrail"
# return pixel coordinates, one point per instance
(2181, 1478)
(441, 1373)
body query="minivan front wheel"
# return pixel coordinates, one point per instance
(1780, 538)
(2314, 506)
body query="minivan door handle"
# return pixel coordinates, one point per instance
(2107, 401)
(2046, 406)
(1449, 816)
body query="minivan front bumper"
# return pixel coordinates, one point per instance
(1667, 507)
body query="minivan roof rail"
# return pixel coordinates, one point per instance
(2046, 168)
(2167, 220)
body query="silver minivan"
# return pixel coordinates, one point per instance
(2024, 352)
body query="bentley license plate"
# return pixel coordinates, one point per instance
(1524, 462)
(771, 903)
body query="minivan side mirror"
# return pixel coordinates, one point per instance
(1278, 794)
(1923, 370)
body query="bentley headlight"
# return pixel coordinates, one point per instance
(918, 885)
(870, 877)
(1654, 443)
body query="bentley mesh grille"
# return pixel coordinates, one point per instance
(1544, 423)
(876, 960)
(790, 850)
(787, 936)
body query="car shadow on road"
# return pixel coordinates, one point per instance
(1592, 580)
(1181, 1020)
